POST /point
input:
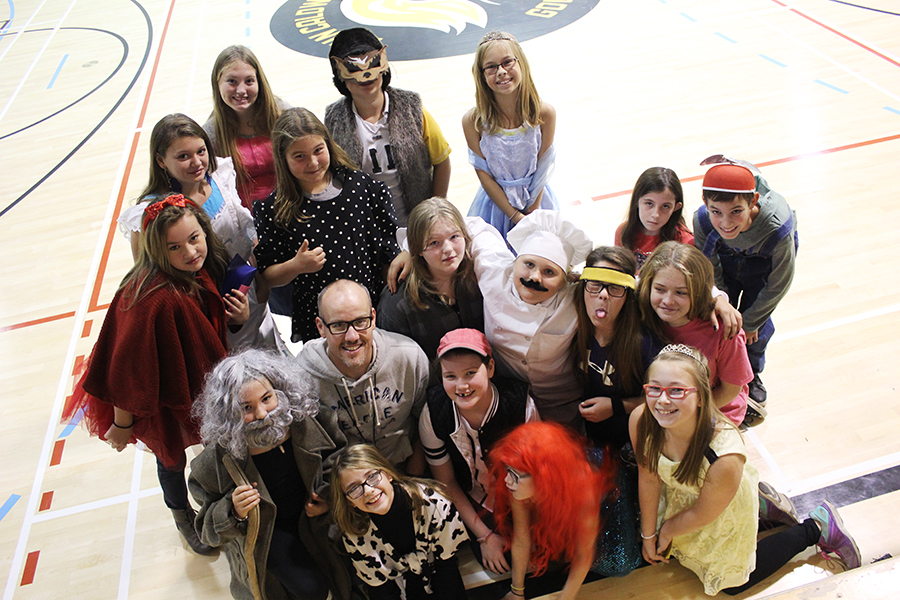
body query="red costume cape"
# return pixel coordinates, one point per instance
(151, 360)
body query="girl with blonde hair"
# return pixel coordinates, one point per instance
(510, 135)
(396, 528)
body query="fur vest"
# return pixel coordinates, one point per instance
(405, 122)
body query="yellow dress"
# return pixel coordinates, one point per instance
(722, 554)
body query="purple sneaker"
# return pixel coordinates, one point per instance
(834, 538)
(775, 507)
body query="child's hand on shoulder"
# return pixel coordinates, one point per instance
(237, 307)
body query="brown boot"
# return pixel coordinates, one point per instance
(184, 521)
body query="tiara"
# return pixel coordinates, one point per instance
(494, 36)
(686, 350)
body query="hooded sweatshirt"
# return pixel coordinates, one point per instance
(382, 407)
(775, 220)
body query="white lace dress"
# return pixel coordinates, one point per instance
(722, 554)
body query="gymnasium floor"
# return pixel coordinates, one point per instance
(807, 90)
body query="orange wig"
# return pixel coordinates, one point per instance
(568, 489)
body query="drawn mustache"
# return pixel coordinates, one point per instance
(533, 285)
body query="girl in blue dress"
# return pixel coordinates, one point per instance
(509, 134)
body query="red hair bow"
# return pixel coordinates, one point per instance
(152, 211)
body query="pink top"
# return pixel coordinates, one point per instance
(259, 164)
(646, 244)
(727, 360)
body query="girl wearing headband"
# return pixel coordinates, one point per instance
(612, 352)
(675, 298)
(182, 162)
(163, 332)
(698, 493)
(509, 134)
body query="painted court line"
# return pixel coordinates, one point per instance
(878, 312)
(37, 58)
(781, 481)
(821, 54)
(85, 302)
(58, 69)
(7, 506)
(870, 466)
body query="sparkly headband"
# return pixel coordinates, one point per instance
(608, 276)
(494, 36)
(152, 211)
(687, 351)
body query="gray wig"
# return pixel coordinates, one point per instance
(218, 409)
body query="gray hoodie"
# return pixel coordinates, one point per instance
(394, 385)
(773, 212)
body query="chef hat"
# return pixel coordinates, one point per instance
(547, 234)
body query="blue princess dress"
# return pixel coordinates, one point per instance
(511, 159)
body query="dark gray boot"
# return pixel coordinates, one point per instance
(184, 521)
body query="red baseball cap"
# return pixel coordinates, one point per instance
(729, 178)
(469, 339)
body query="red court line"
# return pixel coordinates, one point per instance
(37, 321)
(30, 567)
(79, 360)
(777, 161)
(101, 271)
(86, 330)
(46, 499)
(846, 37)
(56, 458)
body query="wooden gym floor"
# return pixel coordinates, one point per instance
(808, 90)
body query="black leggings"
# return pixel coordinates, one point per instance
(776, 550)
(174, 488)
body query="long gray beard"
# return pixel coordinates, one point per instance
(266, 433)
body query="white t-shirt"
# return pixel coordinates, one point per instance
(377, 155)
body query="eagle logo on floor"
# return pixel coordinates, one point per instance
(419, 29)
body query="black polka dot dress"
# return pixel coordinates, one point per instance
(357, 230)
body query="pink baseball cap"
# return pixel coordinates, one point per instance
(469, 339)
(729, 178)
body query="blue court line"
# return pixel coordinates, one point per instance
(247, 32)
(12, 15)
(247, 15)
(893, 110)
(688, 17)
(828, 85)
(726, 38)
(772, 60)
(72, 424)
(7, 506)
(58, 69)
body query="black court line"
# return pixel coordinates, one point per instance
(106, 117)
(100, 85)
(878, 10)
(851, 491)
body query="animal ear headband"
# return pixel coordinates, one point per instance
(362, 68)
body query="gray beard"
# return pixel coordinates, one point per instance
(266, 433)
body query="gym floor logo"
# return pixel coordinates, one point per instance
(418, 29)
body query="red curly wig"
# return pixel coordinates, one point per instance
(567, 488)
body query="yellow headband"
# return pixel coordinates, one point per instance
(608, 276)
